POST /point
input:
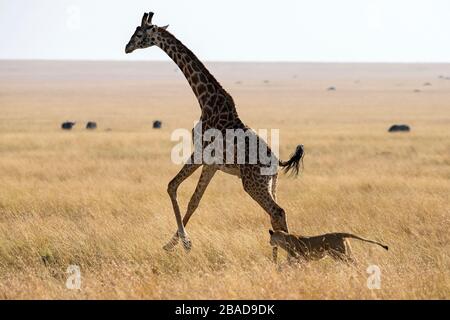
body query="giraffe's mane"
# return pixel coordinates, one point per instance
(200, 64)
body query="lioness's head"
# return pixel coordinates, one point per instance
(277, 237)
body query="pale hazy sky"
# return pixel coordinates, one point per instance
(256, 30)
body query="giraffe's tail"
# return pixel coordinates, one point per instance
(294, 162)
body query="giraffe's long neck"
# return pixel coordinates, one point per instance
(202, 82)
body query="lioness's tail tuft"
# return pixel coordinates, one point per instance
(294, 162)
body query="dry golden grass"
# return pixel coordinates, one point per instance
(98, 199)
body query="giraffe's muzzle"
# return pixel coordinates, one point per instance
(128, 48)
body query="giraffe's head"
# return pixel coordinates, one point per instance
(144, 35)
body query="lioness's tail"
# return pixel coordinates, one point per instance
(294, 162)
(349, 235)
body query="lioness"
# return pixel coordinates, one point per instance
(315, 248)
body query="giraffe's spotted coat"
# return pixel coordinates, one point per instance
(218, 111)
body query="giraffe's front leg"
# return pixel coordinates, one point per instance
(205, 178)
(185, 172)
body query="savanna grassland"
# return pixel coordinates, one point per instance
(98, 199)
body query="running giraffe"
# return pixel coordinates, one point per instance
(217, 112)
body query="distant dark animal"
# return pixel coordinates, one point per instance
(67, 125)
(331, 89)
(427, 84)
(416, 90)
(157, 124)
(91, 125)
(399, 128)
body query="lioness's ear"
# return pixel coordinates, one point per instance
(271, 232)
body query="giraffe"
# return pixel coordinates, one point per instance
(218, 112)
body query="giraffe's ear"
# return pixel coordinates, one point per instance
(271, 232)
(165, 27)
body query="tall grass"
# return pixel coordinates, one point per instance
(98, 199)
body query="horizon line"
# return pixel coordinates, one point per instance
(224, 61)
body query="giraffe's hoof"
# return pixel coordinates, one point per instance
(187, 244)
(169, 246)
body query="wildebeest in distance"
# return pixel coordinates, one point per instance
(157, 124)
(91, 125)
(67, 125)
(399, 128)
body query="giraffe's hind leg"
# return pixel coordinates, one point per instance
(273, 191)
(203, 182)
(260, 189)
(274, 187)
